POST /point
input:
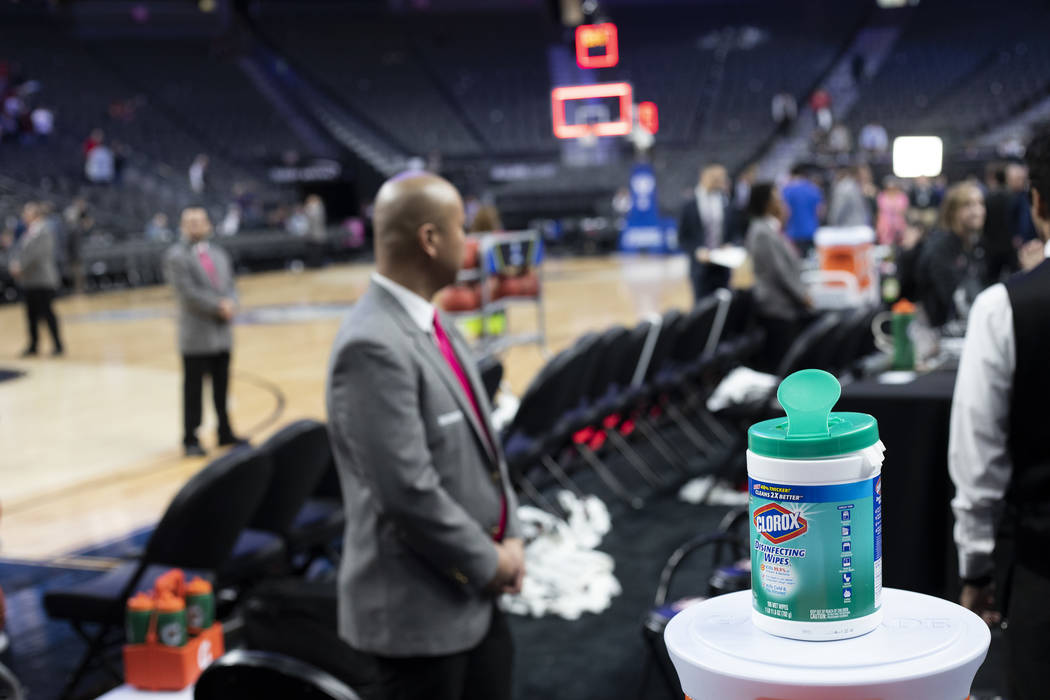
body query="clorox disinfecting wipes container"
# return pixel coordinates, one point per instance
(814, 480)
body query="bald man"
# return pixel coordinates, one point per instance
(431, 533)
(703, 226)
(202, 278)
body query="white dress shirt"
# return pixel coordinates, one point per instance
(711, 206)
(978, 457)
(419, 309)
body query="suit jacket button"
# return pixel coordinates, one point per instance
(458, 575)
(496, 477)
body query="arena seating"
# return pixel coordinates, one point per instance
(155, 109)
(943, 74)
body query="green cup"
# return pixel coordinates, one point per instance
(903, 347)
(136, 625)
(200, 611)
(171, 628)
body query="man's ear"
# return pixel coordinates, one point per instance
(428, 234)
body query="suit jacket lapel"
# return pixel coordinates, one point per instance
(427, 347)
(466, 359)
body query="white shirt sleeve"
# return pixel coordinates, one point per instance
(978, 457)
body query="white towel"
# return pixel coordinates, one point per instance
(564, 574)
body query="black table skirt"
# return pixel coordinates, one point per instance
(918, 550)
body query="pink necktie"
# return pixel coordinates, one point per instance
(209, 266)
(445, 346)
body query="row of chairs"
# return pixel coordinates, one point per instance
(251, 514)
(611, 389)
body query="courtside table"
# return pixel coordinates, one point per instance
(926, 648)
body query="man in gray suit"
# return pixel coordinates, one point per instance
(431, 534)
(202, 277)
(35, 269)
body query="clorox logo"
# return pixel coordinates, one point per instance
(778, 524)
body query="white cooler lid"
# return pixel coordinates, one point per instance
(920, 636)
(844, 235)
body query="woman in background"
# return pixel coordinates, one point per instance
(892, 205)
(782, 305)
(952, 266)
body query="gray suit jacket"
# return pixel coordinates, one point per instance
(779, 292)
(35, 252)
(201, 330)
(421, 486)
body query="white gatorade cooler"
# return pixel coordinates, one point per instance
(815, 501)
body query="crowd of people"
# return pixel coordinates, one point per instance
(23, 116)
(945, 241)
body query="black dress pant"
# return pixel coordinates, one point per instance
(481, 673)
(780, 336)
(706, 278)
(1027, 660)
(216, 366)
(38, 308)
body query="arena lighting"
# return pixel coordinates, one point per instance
(916, 156)
(649, 117)
(589, 36)
(617, 127)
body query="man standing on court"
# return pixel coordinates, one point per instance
(202, 277)
(34, 268)
(702, 227)
(431, 533)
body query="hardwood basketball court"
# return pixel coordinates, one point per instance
(91, 441)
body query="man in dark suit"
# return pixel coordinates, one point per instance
(702, 227)
(431, 532)
(997, 236)
(202, 277)
(34, 267)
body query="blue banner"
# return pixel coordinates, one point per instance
(644, 229)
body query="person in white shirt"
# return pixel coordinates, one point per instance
(100, 166)
(43, 120)
(999, 454)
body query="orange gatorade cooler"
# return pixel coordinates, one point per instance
(848, 249)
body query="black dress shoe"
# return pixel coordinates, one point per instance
(232, 440)
(29, 352)
(195, 450)
(58, 352)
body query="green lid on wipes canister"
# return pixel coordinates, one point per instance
(810, 430)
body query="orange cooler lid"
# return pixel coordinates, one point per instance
(168, 603)
(198, 586)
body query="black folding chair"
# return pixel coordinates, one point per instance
(729, 546)
(196, 533)
(292, 508)
(265, 675)
(10, 688)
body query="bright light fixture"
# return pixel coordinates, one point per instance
(915, 156)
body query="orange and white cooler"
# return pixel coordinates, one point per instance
(846, 256)
(925, 648)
